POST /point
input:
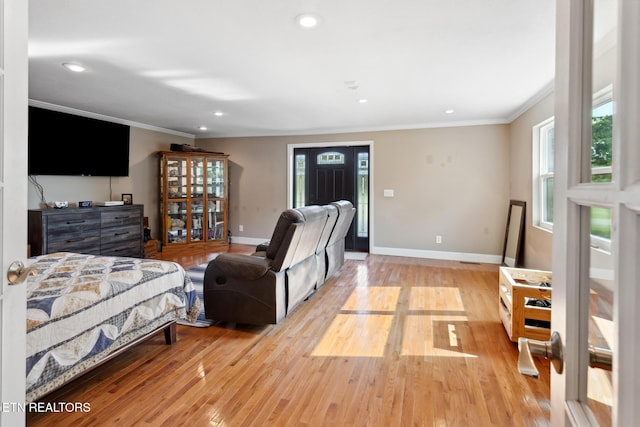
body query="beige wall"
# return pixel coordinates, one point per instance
(142, 182)
(537, 247)
(452, 182)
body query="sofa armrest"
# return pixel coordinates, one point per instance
(244, 289)
(238, 266)
(262, 247)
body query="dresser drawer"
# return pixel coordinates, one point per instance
(60, 227)
(114, 217)
(130, 248)
(76, 242)
(121, 234)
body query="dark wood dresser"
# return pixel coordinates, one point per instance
(109, 230)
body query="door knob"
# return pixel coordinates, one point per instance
(600, 357)
(548, 349)
(17, 272)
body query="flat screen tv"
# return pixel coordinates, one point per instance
(67, 144)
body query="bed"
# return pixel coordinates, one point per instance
(84, 309)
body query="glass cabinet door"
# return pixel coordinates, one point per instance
(215, 217)
(215, 195)
(215, 179)
(196, 196)
(177, 222)
(197, 222)
(177, 178)
(197, 178)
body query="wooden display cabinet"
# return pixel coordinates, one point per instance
(524, 303)
(193, 199)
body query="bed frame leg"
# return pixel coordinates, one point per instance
(170, 334)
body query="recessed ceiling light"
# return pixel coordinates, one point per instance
(202, 128)
(308, 20)
(363, 101)
(449, 111)
(73, 67)
(218, 113)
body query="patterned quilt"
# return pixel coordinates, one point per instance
(81, 308)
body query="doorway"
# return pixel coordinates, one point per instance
(326, 174)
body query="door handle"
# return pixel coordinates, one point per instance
(17, 272)
(551, 350)
(600, 357)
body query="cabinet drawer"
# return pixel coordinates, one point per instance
(121, 217)
(61, 227)
(121, 234)
(76, 242)
(130, 248)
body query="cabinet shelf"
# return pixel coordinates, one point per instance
(524, 303)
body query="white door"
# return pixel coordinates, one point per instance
(13, 204)
(596, 292)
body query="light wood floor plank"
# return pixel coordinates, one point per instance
(388, 341)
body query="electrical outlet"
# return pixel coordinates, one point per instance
(241, 227)
(438, 239)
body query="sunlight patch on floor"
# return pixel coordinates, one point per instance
(599, 386)
(605, 327)
(355, 335)
(363, 327)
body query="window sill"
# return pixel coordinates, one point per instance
(538, 227)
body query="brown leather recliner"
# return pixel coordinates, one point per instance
(321, 249)
(335, 246)
(262, 288)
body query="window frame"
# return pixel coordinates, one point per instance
(542, 172)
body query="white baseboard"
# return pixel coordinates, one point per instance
(413, 253)
(452, 256)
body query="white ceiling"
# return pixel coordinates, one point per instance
(172, 64)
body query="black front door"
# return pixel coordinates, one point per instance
(328, 174)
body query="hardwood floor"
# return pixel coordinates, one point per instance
(388, 341)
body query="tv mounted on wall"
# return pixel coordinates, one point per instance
(67, 144)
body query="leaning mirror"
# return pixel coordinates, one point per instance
(514, 236)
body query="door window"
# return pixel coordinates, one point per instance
(331, 158)
(362, 195)
(300, 184)
(600, 292)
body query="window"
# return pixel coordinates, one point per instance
(601, 168)
(331, 158)
(545, 139)
(300, 184)
(362, 195)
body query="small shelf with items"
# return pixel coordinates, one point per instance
(524, 303)
(193, 198)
